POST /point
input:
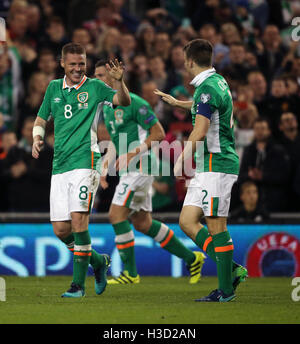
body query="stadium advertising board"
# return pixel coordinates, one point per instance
(32, 249)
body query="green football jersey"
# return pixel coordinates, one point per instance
(76, 113)
(212, 99)
(129, 126)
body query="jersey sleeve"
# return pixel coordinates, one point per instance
(105, 93)
(45, 108)
(206, 102)
(143, 113)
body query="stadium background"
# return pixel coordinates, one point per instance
(255, 51)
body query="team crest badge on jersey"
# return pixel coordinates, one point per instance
(119, 116)
(83, 97)
(143, 110)
(205, 97)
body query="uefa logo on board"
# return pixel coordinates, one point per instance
(274, 254)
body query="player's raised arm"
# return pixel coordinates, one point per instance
(116, 71)
(173, 101)
(38, 134)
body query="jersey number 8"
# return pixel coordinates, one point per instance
(68, 111)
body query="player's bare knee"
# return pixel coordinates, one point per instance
(62, 229)
(60, 234)
(141, 225)
(141, 221)
(80, 221)
(189, 226)
(184, 223)
(116, 217)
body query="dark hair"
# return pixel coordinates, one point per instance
(101, 63)
(72, 48)
(55, 20)
(176, 45)
(260, 120)
(246, 185)
(278, 78)
(155, 57)
(46, 51)
(214, 26)
(286, 113)
(238, 44)
(101, 4)
(200, 51)
(291, 77)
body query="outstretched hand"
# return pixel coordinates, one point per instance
(166, 97)
(115, 69)
(37, 146)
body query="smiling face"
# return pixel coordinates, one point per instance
(288, 122)
(75, 67)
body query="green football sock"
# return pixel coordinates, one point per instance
(224, 252)
(125, 244)
(204, 241)
(81, 259)
(69, 241)
(96, 260)
(168, 241)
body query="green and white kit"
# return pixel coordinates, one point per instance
(75, 111)
(128, 127)
(217, 167)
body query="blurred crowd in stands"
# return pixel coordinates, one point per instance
(254, 50)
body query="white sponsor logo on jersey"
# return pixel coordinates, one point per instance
(83, 106)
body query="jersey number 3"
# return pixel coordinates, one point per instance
(68, 111)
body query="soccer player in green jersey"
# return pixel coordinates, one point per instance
(132, 129)
(217, 167)
(74, 103)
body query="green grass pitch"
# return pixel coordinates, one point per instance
(156, 300)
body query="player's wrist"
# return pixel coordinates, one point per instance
(38, 133)
(119, 80)
(37, 139)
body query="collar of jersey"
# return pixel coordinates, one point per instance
(65, 85)
(199, 78)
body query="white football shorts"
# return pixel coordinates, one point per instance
(211, 191)
(72, 191)
(134, 191)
